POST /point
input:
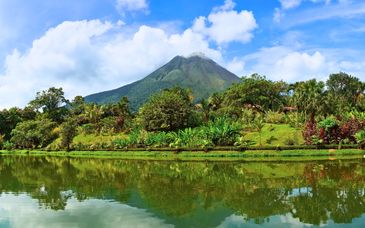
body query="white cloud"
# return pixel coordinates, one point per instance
(288, 4)
(228, 6)
(295, 65)
(330, 9)
(224, 25)
(236, 66)
(283, 63)
(132, 5)
(290, 64)
(278, 14)
(23, 211)
(85, 57)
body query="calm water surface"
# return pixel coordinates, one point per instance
(75, 192)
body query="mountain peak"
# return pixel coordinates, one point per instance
(193, 55)
(198, 54)
(197, 72)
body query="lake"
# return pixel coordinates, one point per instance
(85, 192)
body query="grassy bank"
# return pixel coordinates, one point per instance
(250, 155)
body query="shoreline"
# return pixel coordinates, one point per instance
(249, 155)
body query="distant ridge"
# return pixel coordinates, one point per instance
(198, 72)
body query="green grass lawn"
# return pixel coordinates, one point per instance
(267, 155)
(275, 134)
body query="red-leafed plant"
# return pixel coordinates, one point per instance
(349, 128)
(309, 131)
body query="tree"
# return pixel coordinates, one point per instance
(345, 91)
(168, 110)
(205, 108)
(67, 132)
(259, 125)
(257, 92)
(119, 111)
(309, 97)
(10, 118)
(77, 105)
(52, 102)
(34, 133)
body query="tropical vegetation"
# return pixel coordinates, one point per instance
(255, 112)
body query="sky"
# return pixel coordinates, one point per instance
(88, 46)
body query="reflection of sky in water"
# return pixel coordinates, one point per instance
(283, 221)
(22, 211)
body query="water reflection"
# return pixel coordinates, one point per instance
(48, 191)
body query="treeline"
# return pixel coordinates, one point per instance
(330, 112)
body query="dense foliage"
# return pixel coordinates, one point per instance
(169, 110)
(249, 112)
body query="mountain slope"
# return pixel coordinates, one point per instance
(201, 74)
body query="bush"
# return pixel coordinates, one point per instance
(121, 143)
(349, 128)
(309, 131)
(160, 139)
(168, 110)
(271, 139)
(248, 116)
(88, 129)
(274, 117)
(329, 131)
(34, 133)
(67, 132)
(294, 119)
(1, 141)
(8, 145)
(108, 125)
(357, 115)
(290, 141)
(223, 132)
(360, 138)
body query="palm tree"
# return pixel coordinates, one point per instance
(205, 107)
(309, 97)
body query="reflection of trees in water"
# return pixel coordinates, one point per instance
(314, 192)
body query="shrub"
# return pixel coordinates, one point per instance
(271, 139)
(33, 133)
(67, 132)
(329, 131)
(294, 119)
(1, 141)
(168, 110)
(120, 143)
(290, 141)
(188, 138)
(88, 129)
(349, 128)
(360, 138)
(160, 139)
(274, 117)
(360, 116)
(309, 131)
(223, 132)
(108, 125)
(8, 145)
(248, 116)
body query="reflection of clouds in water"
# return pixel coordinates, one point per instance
(281, 221)
(23, 211)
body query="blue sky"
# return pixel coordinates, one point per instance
(87, 46)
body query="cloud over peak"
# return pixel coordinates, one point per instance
(224, 24)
